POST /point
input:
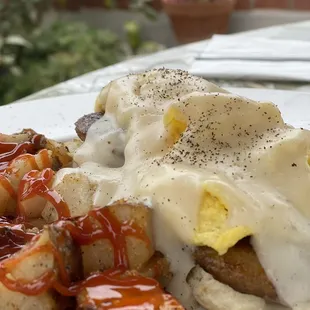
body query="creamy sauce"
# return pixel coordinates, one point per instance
(238, 150)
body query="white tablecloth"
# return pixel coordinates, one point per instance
(182, 57)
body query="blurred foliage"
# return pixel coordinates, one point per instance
(142, 6)
(33, 57)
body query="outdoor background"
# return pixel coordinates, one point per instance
(44, 42)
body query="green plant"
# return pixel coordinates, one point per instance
(141, 6)
(144, 7)
(33, 57)
(57, 54)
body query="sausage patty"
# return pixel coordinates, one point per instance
(239, 268)
(83, 124)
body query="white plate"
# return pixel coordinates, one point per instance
(55, 117)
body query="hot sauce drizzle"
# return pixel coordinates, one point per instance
(119, 289)
(131, 289)
(6, 184)
(9, 150)
(85, 230)
(12, 237)
(36, 183)
(36, 286)
(114, 289)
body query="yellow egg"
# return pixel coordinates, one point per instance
(212, 227)
(175, 123)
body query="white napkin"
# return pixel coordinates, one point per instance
(237, 57)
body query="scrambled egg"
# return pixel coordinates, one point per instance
(212, 218)
(212, 230)
(175, 123)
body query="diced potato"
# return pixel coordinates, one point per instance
(21, 137)
(77, 191)
(34, 265)
(37, 222)
(44, 159)
(25, 163)
(70, 253)
(59, 152)
(91, 298)
(7, 197)
(31, 265)
(157, 267)
(100, 256)
(33, 207)
(14, 237)
(28, 266)
(11, 300)
(97, 256)
(14, 173)
(138, 251)
(73, 145)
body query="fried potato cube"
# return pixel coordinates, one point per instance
(69, 252)
(77, 191)
(33, 207)
(14, 237)
(73, 145)
(157, 267)
(93, 297)
(16, 170)
(7, 197)
(30, 262)
(60, 154)
(20, 137)
(11, 300)
(100, 254)
(25, 163)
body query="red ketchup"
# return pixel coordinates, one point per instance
(10, 150)
(36, 183)
(112, 289)
(14, 236)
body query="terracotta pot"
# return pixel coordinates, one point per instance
(76, 4)
(93, 3)
(125, 4)
(198, 20)
(71, 5)
(157, 5)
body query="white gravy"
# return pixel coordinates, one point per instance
(239, 150)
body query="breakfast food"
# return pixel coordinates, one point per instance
(83, 124)
(85, 259)
(177, 194)
(237, 268)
